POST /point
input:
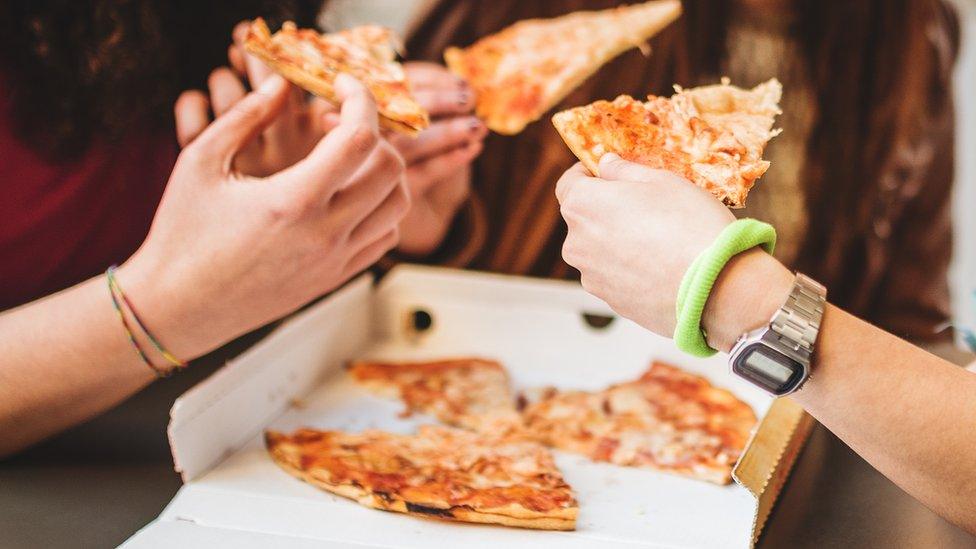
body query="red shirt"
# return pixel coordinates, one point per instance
(61, 224)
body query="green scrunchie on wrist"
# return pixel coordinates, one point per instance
(697, 283)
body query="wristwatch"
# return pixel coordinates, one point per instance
(777, 356)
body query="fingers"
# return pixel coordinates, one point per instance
(615, 168)
(235, 57)
(573, 177)
(370, 254)
(254, 69)
(192, 117)
(226, 89)
(257, 71)
(330, 121)
(376, 179)
(452, 101)
(342, 151)
(440, 137)
(438, 90)
(358, 106)
(244, 120)
(425, 174)
(239, 34)
(383, 218)
(424, 74)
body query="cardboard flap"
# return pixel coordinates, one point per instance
(448, 285)
(220, 414)
(769, 457)
(769, 442)
(190, 535)
(542, 332)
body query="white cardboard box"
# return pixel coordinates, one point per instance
(236, 496)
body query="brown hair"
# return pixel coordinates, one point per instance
(82, 69)
(882, 91)
(880, 73)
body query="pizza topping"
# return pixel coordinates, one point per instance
(524, 70)
(713, 136)
(468, 392)
(313, 60)
(668, 420)
(441, 472)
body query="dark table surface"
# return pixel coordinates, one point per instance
(96, 484)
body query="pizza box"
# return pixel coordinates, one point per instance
(546, 332)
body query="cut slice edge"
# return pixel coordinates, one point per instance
(257, 43)
(747, 115)
(643, 20)
(509, 515)
(490, 406)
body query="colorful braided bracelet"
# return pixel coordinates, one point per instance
(115, 290)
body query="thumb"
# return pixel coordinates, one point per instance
(615, 168)
(248, 117)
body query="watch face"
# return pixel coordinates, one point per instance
(768, 368)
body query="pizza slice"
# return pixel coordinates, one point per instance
(668, 420)
(440, 472)
(465, 392)
(713, 136)
(312, 61)
(526, 69)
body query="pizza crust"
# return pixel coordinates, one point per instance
(574, 135)
(289, 459)
(631, 26)
(258, 43)
(714, 136)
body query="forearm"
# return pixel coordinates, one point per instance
(63, 359)
(908, 413)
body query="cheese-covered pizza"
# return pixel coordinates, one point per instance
(312, 61)
(713, 136)
(526, 69)
(668, 420)
(473, 393)
(439, 472)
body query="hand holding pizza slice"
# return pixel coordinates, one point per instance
(713, 136)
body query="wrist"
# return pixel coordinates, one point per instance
(166, 307)
(750, 289)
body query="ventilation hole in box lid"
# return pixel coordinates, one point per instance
(421, 320)
(598, 322)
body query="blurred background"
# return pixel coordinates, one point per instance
(398, 14)
(964, 267)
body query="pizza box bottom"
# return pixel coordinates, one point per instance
(545, 332)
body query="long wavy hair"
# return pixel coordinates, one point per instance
(78, 70)
(880, 73)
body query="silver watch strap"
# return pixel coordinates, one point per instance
(797, 322)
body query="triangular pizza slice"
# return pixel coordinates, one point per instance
(312, 61)
(473, 393)
(668, 419)
(440, 472)
(713, 136)
(526, 69)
